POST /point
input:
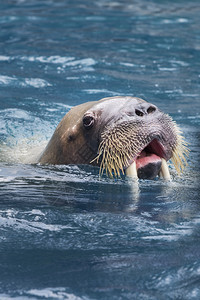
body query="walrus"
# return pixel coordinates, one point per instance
(121, 135)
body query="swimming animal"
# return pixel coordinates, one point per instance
(120, 135)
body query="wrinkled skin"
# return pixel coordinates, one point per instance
(77, 137)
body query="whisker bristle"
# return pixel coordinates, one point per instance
(120, 145)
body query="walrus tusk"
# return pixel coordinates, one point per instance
(164, 172)
(131, 171)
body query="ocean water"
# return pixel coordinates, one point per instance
(65, 233)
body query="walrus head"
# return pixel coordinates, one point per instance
(122, 135)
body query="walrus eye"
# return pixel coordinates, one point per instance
(88, 122)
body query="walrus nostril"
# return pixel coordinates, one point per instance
(139, 113)
(145, 109)
(151, 109)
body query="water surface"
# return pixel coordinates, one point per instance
(65, 234)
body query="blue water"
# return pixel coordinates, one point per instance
(65, 234)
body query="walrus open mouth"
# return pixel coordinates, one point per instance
(150, 162)
(124, 149)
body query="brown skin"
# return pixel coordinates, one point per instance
(68, 144)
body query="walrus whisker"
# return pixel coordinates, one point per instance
(117, 148)
(180, 152)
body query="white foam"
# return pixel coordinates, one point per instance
(64, 105)
(7, 80)
(55, 59)
(97, 91)
(127, 64)
(26, 151)
(85, 62)
(16, 113)
(167, 69)
(46, 293)
(174, 21)
(179, 62)
(23, 82)
(56, 293)
(4, 58)
(9, 297)
(63, 60)
(16, 222)
(172, 233)
(7, 179)
(36, 82)
(182, 20)
(72, 78)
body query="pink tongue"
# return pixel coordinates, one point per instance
(145, 159)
